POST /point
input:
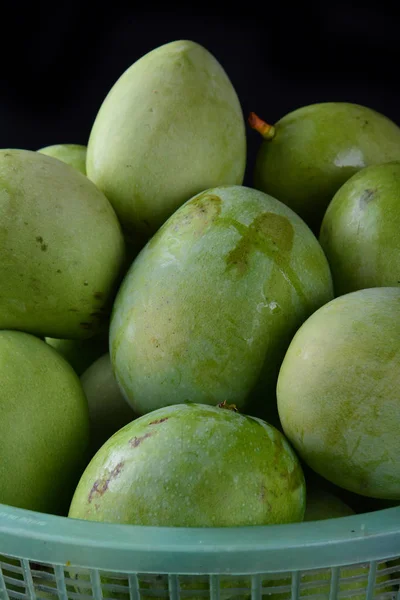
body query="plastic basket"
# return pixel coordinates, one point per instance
(45, 556)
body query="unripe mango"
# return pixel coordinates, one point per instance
(72, 154)
(170, 127)
(61, 246)
(210, 304)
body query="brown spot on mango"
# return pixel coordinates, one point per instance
(366, 197)
(197, 215)
(100, 486)
(157, 421)
(136, 441)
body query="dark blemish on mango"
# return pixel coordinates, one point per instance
(100, 486)
(262, 493)
(85, 283)
(271, 235)
(98, 295)
(136, 441)
(75, 310)
(267, 233)
(40, 241)
(157, 421)
(97, 313)
(86, 325)
(366, 197)
(59, 271)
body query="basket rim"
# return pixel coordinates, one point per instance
(332, 542)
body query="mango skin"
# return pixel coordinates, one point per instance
(322, 505)
(108, 409)
(71, 154)
(209, 306)
(61, 245)
(206, 466)
(360, 230)
(317, 148)
(337, 392)
(170, 127)
(44, 425)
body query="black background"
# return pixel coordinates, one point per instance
(58, 61)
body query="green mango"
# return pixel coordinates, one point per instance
(321, 505)
(61, 245)
(310, 152)
(193, 465)
(338, 392)
(210, 304)
(44, 425)
(108, 409)
(80, 353)
(170, 127)
(360, 232)
(71, 154)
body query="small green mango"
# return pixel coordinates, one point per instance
(309, 153)
(210, 304)
(61, 246)
(108, 409)
(360, 232)
(321, 505)
(170, 127)
(338, 392)
(44, 425)
(80, 353)
(71, 154)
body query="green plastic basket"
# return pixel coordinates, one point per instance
(45, 556)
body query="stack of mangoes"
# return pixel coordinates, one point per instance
(177, 348)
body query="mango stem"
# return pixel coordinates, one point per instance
(266, 130)
(224, 404)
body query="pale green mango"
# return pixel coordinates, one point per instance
(108, 409)
(311, 151)
(360, 232)
(338, 392)
(209, 306)
(44, 425)
(322, 504)
(170, 127)
(71, 154)
(61, 246)
(193, 465)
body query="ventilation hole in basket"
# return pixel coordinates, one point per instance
(13, 574)
(235, 586)
(114, 585)
(393, 570)
(77, 577)
(278, 585)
